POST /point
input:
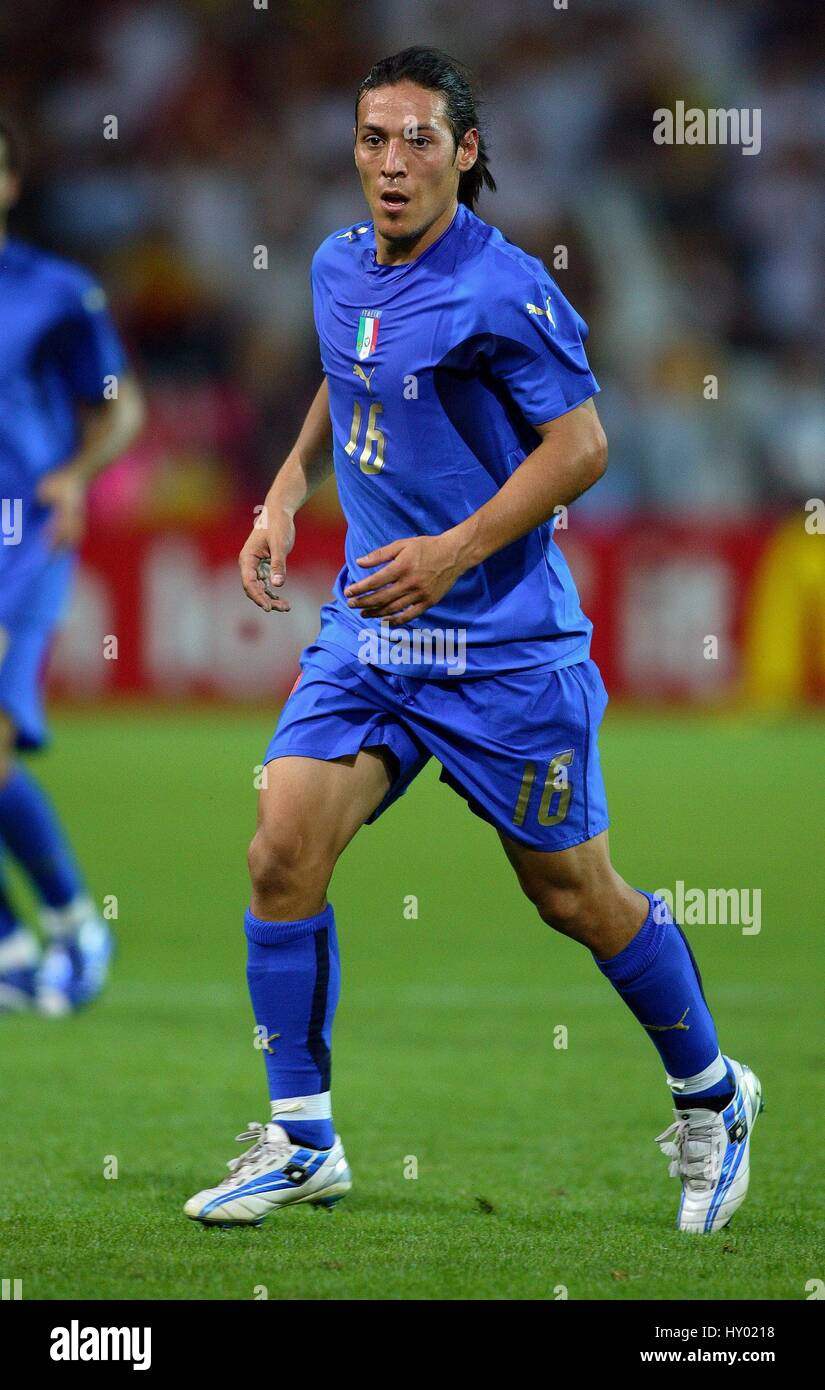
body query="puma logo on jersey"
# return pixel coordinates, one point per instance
(350, 236)
(358, 370)
(546, 312)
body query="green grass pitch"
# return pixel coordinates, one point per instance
(536, 1167)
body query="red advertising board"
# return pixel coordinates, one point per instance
(682, 611)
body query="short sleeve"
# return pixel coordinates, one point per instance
(89, 346)
(315, 288)
(535, 347)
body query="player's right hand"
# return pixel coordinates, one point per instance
(64, 490)
(271, 538)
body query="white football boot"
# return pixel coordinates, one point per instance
(75, 966)
(710, 1152)
(273, 1173)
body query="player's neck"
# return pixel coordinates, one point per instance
(402, 252)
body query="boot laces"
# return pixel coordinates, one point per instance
(270, 1146)
(695, 1149)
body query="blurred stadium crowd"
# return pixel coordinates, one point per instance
(235, 131)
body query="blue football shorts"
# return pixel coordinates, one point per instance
(521, 748)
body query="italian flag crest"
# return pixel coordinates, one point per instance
(367, 332)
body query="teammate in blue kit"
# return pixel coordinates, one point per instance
(459, 403)
(60, 362)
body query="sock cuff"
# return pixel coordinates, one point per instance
(713, 1075)
(273, 933)
(300, 1109)
(638, 954)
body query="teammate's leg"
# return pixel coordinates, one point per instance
(8, 917)
(75, 964)
(31, 829)
(19, 953)
(9, 923)
(19, 949)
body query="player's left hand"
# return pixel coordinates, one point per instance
(64, 491)
(415, 573)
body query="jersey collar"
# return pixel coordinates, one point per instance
(392, 272)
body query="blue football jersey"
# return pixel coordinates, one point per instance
(57, 347)
(438, 371)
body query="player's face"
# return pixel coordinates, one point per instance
(407, 159)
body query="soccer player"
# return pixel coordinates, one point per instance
(460, 406)
(67, 408)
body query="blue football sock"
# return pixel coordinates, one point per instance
(33, 833)
(658, 978)
(294, 978)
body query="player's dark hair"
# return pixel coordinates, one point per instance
(12, 146)
(430, 68)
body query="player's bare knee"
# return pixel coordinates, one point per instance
(274, 859)
(562, 908)
(286, 871)
(595, 916)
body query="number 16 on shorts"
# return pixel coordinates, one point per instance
(555, 793)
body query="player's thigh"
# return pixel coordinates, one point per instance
(583, 866)
(567, 885)
(310, 808)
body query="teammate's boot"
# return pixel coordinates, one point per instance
(710, 1153)
(273, 1173)
(19, 960)
(75, 965)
